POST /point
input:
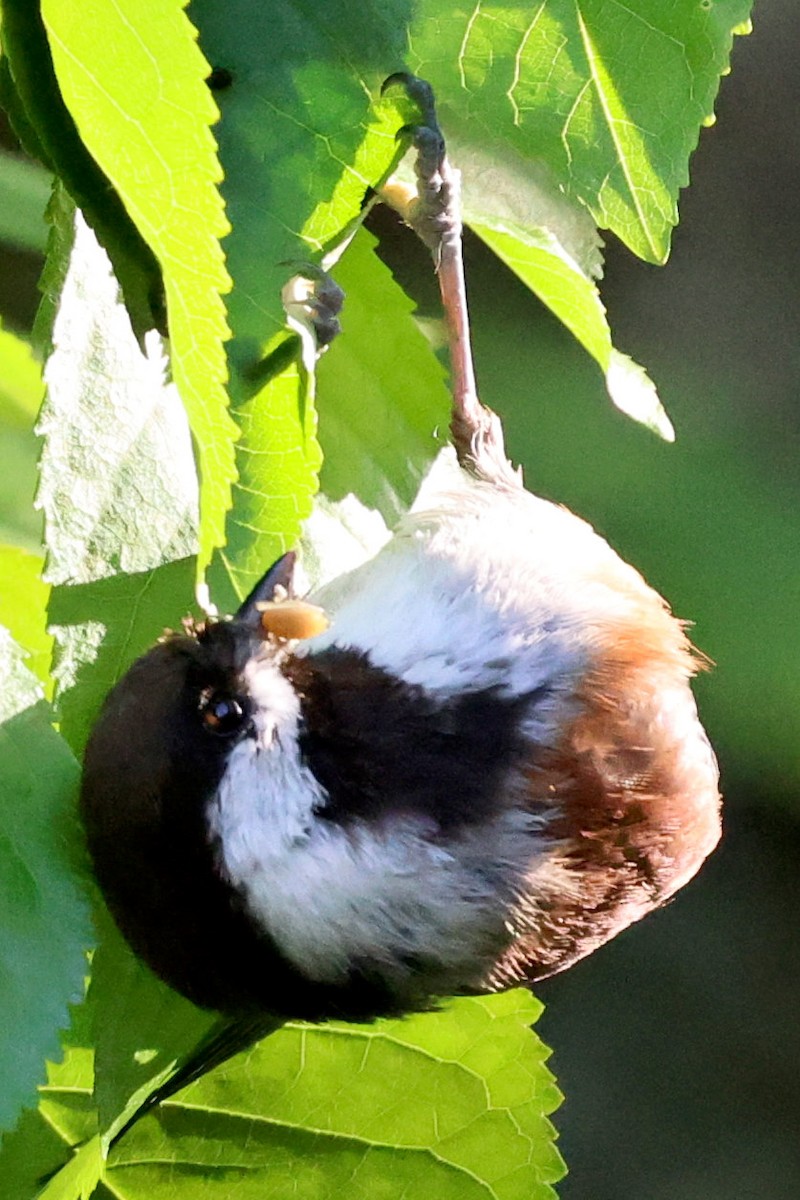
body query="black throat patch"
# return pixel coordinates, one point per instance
(379, 745)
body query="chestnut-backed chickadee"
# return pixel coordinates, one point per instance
(487, 765)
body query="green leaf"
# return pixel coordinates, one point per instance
(118, 484)
(30, 1154)
(23, 608)
(300, 143)
(299, 140)
(140, 1027)
(21, 390)
(454, 1103)
(134, 81)
(45, 1139)
(278, 462)
(21, 386)
(44, 923)
(24, 192)
(14, 109)
(101, 627)
(540, 262)
(382, 393)
(614, 130)
(450, 1104)
(383, 396)
(611, 96)
(31, 95)
(79, 1177)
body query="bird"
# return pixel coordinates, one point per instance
(458, 768)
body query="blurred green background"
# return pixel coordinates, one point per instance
(678, 1046)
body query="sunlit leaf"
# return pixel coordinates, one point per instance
(21, 391)
(610, 96)
(23, 608)
(133, 79)
(118, 486)
(79, 1178)
(30, 92)
(278, 464)
(451, 1104)
(21, 386)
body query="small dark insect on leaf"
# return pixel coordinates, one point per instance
(219, 79)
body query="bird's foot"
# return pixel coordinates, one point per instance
(432, 208)
(313, 301)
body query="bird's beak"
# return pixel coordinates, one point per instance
(271, 608)
(280, 578)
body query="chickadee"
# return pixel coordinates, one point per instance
(461, 767)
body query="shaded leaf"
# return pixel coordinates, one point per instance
(382, 393)
(46, 1138)
(31, 1154)
(24, 192)
(300, 143)
(101, 627)
(140, 1027)
(44, 923)
(12, 106)
(298, 138)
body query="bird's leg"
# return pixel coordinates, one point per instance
(433, 211)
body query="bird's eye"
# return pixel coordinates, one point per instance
(222, 714)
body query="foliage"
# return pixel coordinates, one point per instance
(560, 115)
